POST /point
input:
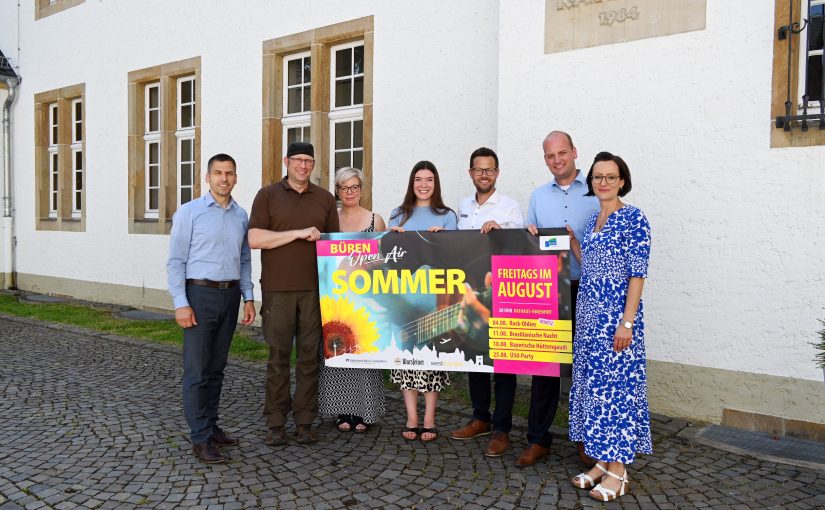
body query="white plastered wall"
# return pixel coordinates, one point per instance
(435, 93)
(736, 273)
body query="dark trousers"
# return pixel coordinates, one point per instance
(205, 349)
(287, 316)
(544, 397)
(480, 394)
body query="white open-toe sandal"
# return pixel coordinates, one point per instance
(610, 494)
(583, 480)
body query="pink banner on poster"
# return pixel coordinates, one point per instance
(526, 367)
(524, 286)
(342, 248)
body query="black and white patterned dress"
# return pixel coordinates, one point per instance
(351, 391)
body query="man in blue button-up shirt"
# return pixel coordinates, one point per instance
(559, 203)
(209, 270)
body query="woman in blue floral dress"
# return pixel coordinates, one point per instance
(608, 400)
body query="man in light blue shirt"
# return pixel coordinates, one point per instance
(209, 269)
(559, 203)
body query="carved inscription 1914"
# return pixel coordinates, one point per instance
(572, 24)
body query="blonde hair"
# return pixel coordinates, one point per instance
(346, 173)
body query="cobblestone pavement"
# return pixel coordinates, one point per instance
(88, 420)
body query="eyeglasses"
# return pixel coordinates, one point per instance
(489, 172)
(355, 188)
(609, 179)
(302, 161)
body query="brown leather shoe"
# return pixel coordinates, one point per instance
(532, 454)
(305, 435)
(585, 458)
(473, 429)
(220, 438)
(276, 436)
(209, 453)
(498, 444)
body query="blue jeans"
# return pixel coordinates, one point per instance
(205, 350)
(480, 393)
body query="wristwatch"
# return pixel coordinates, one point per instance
(627, 324)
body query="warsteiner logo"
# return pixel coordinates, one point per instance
(414, 362)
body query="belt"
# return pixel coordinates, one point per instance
(217, 285)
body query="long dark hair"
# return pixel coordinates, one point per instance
(405, 210)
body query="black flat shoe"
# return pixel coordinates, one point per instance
(344, 423)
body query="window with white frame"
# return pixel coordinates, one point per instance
(811, 55)
(60, 159)
(54, 166)
(77, 158)
(346, 116)
(185, 136)
(151, 140)
(297, 98)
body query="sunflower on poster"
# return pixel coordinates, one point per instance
(345, 329)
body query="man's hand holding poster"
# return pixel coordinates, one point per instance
(457, 300)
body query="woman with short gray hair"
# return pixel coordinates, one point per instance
(354, 395)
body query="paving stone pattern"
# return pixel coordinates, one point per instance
(90, 420)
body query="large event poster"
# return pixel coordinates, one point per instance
(450, 300)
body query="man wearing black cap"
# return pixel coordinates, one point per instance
(287, 218)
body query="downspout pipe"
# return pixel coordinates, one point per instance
(9, 241)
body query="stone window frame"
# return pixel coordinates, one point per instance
(62, 217)
(143, 220)
(318, 42)
(45, 8)
(779, 138)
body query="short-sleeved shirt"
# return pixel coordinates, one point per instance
(551, 206)
(423, 218)
(278, 207)
(500, 208)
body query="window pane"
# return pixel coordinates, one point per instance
(187, 119)
(293, 135)
(358, 159)
(154, 97)
(815, 27)
(78, 132)
(307, 70)
(293, 100)
(78, 161)
(78, 112)
(153, 199)
(342, 159)
(358, 90)
(154, 120)
(293, 73)
(307, 97)
(343, 93)
(153, 177)
(78, 197)
(186, 91)
(186, 150)
(358, 134)
(54, 202)
(358, 65)
(54, 181)
(343, 62)
(185, 195)
(343, 135)
(54, 134)
(78, 183)
(54, 115)
(186, 174)
(307, 133)
(154, 155)
(813, 78)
